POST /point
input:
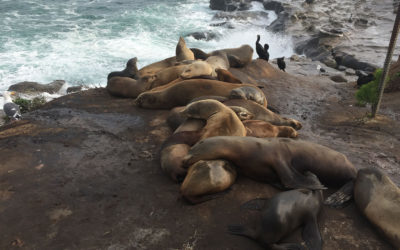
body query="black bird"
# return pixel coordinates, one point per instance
(260, 50)
(266, 54)
(281, 63)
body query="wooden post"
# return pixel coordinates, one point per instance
(386, 66)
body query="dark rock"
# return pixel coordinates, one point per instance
(275, 6)
(341, 68)
(241, 16)
(203, 35)
(34, 87)
(228, 25)
(74, 89)
(338, 78)
(330, 62)
(314, 48)
(364, 78)
(350, 61)
(280, 23)
(229, 5)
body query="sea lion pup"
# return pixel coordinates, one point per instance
(221, 120)
(183, 92)
(226, 76)
(128, 87)
(378, 198)
(261, 113)
(249, 93)
(261, 129)
(277, 159)
(130, 70)
(182, 51)
(205, 178)
(172, 152)
(167, 75)
(218, 60)
(197, 68)
(281, 215)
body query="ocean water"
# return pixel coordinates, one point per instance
(81, 41)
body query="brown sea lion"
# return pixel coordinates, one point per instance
(378, 198)
(218, 60)
(182, 51)
(167, 75)
(261, 129)
(249, 93)
(281, 215)
(242, 113)
(207, 177)
(197, 68)
(239, 57)
(199, 54)
(173, 150)
(221, 120)
(153, 68)
(277, 159)
(191, 124)
(261, 113)
(128, 87)
(226, 76)
(130, 70)
(183, 92)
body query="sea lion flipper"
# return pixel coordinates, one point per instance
(287, 246)
(241, 230)
(291, 178)
(256, 204)
(311, 235)
(340, 198)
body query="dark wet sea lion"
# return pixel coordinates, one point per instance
(262, 129)
(207, 177)
(220, 120)
(259, 112)
(181, 93)
(281, 215)
(249, 93)
(378, 198)
(130, 70)
(277, 159)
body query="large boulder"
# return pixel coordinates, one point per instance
(229, 5)
(203, 35)
(350, 61)
(275, 6)
(34, 87)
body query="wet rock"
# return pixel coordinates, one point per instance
(203, 35)
(228, 25)
(280, 23)
(241, 16)
(295, 58)
(275, 6)
(314, 48)
(338, 78)
(350, 72)
(34, 87)
(229, 5)
(341, 68)
(330, 62)
(364, 78)
(74, 89)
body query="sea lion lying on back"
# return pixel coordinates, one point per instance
(130, 70)
(183, 92)
(277, 159)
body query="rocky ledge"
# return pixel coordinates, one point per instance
(83, 171)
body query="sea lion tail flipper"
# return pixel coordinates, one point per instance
(312, 236)
(242, 230)
(340, 198)
(256, 204)
(287, 246)
(291, 178)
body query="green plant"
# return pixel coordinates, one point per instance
(368, 93)
(29, 105)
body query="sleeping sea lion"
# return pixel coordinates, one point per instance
(261, 129)
(226, 76)
(249, 93)
(277, 159)
(130, 70)
(128, 87)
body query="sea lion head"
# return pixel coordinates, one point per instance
(197, 68)
(242, 113)
(202, 109)
(145, 100)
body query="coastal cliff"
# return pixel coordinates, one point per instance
(83, 170)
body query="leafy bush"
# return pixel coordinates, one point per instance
(29, 105)
(368, 93)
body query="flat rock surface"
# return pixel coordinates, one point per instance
(83, 171)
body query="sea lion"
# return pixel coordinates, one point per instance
(226, 76)
(239, 57)
(167, 75)
(128, 87)
(182, 51)
(249, 93)
(261, 129)
(191, 124)
(277, 159)
(153, 68)
(221, 120)
(207, 177)
(218, 60)
(378, 198)
(130, 70)
(199, 54)
(197, 68)
(172, 152)
(281, 215)
(181, 93)
(261, 113)
(242, 113)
